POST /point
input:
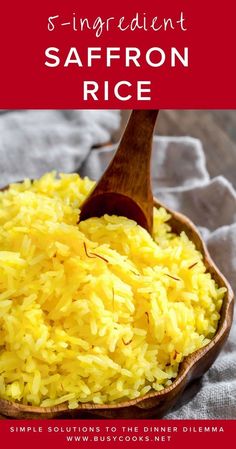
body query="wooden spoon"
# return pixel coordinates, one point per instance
(125, 187)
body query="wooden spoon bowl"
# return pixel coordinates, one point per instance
(154, 404)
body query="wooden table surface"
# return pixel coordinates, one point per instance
(215, 128)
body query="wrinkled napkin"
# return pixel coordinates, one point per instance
(35, 141)
(32, 142)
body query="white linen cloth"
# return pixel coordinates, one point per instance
(32, 142)
(35, 141)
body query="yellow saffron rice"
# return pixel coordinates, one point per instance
(97, 312)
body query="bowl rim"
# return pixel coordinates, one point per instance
(186, 365)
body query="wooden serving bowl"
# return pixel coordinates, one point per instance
(155, 404)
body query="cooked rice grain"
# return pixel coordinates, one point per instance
(97, 312)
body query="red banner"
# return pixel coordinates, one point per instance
(152, 54)
(121, 433)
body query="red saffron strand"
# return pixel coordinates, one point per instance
(172, 277)
(128, 342)
(86, 251)
(93, 255)
(100, 257)
(193, 265)
(175, 355)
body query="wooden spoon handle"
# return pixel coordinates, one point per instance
(125, 187)
(129, 171)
